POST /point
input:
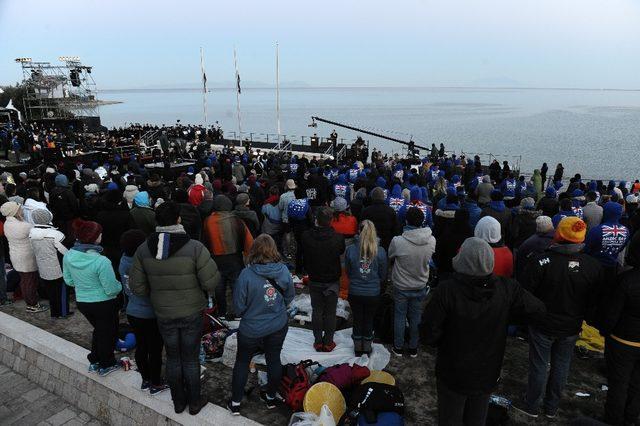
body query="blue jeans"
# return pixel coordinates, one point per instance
(407, 305)
(230, 266)
(271, 345)
(542, 350)
(182, 344)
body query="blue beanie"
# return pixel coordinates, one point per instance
(577, 193)
(551, 192)
(111, 186)
(61, 180)
(142, 199)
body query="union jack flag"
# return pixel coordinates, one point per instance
(615, 231)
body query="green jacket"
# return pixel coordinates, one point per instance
(90, 273)
(175, 271)
(144, 218)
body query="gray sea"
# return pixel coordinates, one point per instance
(593, 132)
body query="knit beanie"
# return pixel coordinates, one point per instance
(222, 203)
(142, 199)
(528, 203)
(10, 209)
(242, 199)
(571, 229)
(199, 179)
(339, 204)
(543, 224)
(475, 258)
(488, 229)
(62, 181)
(87, 232)
(41, 217)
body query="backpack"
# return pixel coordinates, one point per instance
(369, 399)
(297, 209)
(295, 383)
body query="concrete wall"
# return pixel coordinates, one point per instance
(60, 367)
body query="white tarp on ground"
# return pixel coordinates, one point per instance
(298, 346)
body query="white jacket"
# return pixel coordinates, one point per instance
(129, 194)
(29, 206)
(20, 250)
(47, 243)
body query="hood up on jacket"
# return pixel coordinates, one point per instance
(488, 229)
(418, 236)
(415, 194)
(381, 182)
(611, 212)
(475, 258)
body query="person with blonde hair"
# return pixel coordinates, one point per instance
(366, 266)
(260, 297)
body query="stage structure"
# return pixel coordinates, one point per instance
(60, 94)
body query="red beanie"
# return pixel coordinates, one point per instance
(87, 232)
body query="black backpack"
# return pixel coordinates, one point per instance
(369, 399)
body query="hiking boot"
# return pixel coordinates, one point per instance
(6, 302)
(234, 409)
(319, 347)
(329, 346)
(413, 353)
(197, 406)
(36, 308)
(270, 403)
(93, 368)
(154, 390)
(106, 371)
(396, 351)
(145, 385)
(522, 407)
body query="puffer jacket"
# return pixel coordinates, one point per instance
(22, 257)
(90, 273)
(47, 243)
(175, 271)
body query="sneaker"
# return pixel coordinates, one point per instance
(37, 308)
(270, 403)
(234, 409)
(551, 416)
(106, 371)
(145, 385)
(6, 302)
(396, 351)
(154, 390)
(93, 368)
(413, 353)
(523, 408)
(329, 346)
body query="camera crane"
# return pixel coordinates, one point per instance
(411, 145)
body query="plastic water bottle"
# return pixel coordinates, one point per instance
(500, 400)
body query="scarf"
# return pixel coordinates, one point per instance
(87, 247)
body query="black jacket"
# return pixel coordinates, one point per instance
(385, 220)
(191, 220)
(450, 228)
(523, 225)
(321, 248)
(63, 204)
(467, 320)
(533, 246)
(568, 282)
(549, 206)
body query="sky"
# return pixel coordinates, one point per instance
(155, 43)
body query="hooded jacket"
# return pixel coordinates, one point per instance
(84, 268)
(365, 275)
(20, 249)
(412, 252)
(143, 215)
(47, 246)
(175, 271)
(532, 247)
(196, 194)
(467, 320)
(549, 204)
(488, 230)
(342, 189)
(523, 225)
(137, 306)
(568, 282)
(226, 234)
(63, 204)
(385, 220)
(592, 215)
(396, 200)
(606, 241)
(262, 307)
(321, 248)
(450, 230)
(417, 201)
(484, 191)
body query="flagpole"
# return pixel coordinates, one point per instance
(204, 86)
(278, 92)
(235, 62)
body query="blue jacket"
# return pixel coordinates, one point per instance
(342, 188)
(262, 308)
(605, 241)
(138, 306)
(561, 215)
(396, 200)
(508, 188)
(474, 213)
(364, 277)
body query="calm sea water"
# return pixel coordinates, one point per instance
(594, 132)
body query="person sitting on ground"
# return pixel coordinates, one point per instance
(177, 273)
(263, 292)
(411, 253)
(488, 229)
(97, 289)
(324, 276)
(143, 320)
(467, 320)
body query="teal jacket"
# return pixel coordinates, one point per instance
(90, 273)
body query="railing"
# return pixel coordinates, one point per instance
(149, 138)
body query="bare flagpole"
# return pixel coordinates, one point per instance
(238, 91)
(204, 86)
(278, 92)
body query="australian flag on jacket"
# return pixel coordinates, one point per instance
(396, 200)
(606, 241)
(426, 211)
(353, 173)
(342, 188)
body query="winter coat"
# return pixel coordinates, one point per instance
(321, 248)
(385, 220)
(263, 307)
(607, 240)
(365, 275)
(568, 282)
(47, 247)
(345, 224)
(532, 247)
(29, 206)
(484, 191)
(283, 204)
(474, 213)
(20, 250)
(84, 268)
(175, 271)
(137, 306)
(249, 217)
(272, 223)
(130, 191)
(549, 206)
(467, 320)
(502, 214)
(190, 220)
(523, 225)
(144, 219)
(63, 204)
(196, 194)
(411, 252)
(224, 233)
(502, 261)
(450, 234)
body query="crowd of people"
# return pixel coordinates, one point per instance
(501, 252)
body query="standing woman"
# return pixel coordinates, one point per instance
(21, 253)
(366, 265)
(543, 173)
(261, 295)
(96, 290)
(557, 176)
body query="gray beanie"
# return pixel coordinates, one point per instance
(544, 224)
(41, 217)
(222, 203)
(475, 258)
(339, 204)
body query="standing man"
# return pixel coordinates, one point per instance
(566, 280)
(177, 273)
